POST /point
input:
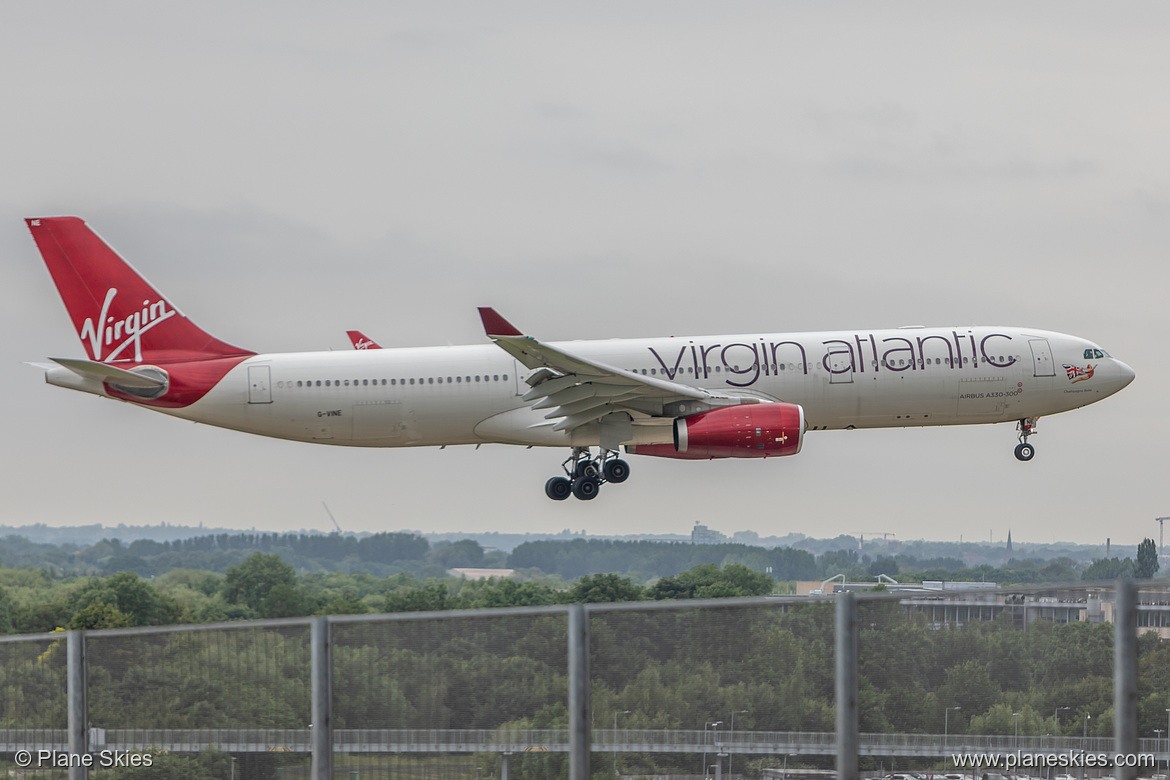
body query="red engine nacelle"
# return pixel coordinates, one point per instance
(747, 431)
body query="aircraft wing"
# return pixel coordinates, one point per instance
(578, 390)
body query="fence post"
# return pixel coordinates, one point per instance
(320, 648)
(580, 727)
(1125, 740)
(847, 744)
(78, 719)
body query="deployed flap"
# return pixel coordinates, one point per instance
(582, 391)
(107, 373)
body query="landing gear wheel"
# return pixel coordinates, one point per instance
(1025, 451)
(586, 488)
(616, 470)
(585, 468)
(558, 488)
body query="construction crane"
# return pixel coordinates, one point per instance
(1161, 521)
(331, 517)
(885, 535)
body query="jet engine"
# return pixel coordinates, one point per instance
(768, 430)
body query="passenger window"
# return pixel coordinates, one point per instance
(430, 380)
(318, 383)
(458, 379)
(298, 383)
(477, 377)
(495, 377)
(448, 380)
(412, 380)
(327, 383)
(505, 377)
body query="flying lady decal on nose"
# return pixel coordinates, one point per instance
(1078, 374)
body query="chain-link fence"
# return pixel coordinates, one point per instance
(33, 695)
(914, 679)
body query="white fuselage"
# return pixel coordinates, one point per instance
(849, 379)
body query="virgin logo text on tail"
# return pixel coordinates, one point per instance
(108, 331)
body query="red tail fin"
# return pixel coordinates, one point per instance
(118, 314)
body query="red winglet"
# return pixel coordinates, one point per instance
(361, 340)
(495, 325)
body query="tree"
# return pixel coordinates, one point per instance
(1147, 560)
(433, 596)
(129, 595)
(709, 581)
(252, 581)
(7, 610)
(98, 614)
(885, 565)
(465, 553)
(1109, 569)
(603, 588)
(285, 601)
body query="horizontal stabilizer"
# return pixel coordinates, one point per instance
(107, 373)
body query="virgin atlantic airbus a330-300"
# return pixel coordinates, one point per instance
(698, 397)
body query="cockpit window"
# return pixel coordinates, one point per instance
(1091, 354)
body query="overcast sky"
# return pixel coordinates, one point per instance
(283, 172)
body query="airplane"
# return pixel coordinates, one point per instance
(697, 397)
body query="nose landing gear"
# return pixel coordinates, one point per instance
(584, 475)
(1024, 450)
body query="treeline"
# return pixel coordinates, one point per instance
(382, 554)
(579, 557)
(265, 586)
(386, 554)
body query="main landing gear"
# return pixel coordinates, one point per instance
(585, 475)
(1024, 450)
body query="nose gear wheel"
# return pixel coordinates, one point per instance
(1024, 450)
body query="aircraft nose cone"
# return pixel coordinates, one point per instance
(1125, 374)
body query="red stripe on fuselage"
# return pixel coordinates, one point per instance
(190, 380)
